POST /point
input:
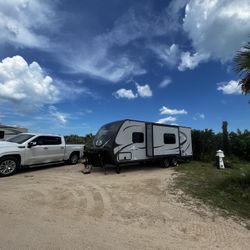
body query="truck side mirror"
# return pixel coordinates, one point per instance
(32, 144)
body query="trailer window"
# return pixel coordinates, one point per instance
(169, 138)
(138, 137)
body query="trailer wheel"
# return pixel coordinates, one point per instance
(74, 158)
(174, 162)
(8, 165)
(166, 163)
(118, 169)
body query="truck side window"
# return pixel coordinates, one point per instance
(52, 140)
(138, 137)
(48, 140)
(169, 138)
(39, 140)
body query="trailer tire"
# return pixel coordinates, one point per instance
(74, 158)
(166, 163)
(8, 165)
(174, 162)
(118, 169)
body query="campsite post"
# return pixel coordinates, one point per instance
(220, 155)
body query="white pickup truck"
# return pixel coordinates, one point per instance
(32, 150)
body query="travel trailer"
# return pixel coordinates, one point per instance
(129, 141)
(7, 131)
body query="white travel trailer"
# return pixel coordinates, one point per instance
(129, 141)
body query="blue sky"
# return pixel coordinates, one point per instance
(69, 67)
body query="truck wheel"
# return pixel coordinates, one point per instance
(174, 162)
(74, 158)
(8, 165)
(166, 163)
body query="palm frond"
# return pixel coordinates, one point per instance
(242, 66)
(245, 84)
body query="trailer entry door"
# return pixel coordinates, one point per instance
(149, 140)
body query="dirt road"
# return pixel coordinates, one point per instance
(60, 208)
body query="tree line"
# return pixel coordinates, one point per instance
(76, 139)
(207, 142)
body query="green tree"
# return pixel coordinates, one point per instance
(76, 139)
(205, 144)
(240, 144)
(242, 62)
(225, 137)
(88, 140)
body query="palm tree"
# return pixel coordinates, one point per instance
(242, 61)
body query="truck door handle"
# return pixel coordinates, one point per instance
(45, 148)
(62, 147)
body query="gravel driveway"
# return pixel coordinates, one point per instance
(61, 208)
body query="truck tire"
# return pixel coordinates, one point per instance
(8, 165)
(74, 158)
(166, 163)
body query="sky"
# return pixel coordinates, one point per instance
(68, 67)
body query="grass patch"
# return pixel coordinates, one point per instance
(227, 189)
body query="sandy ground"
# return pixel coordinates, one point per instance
(60, 208)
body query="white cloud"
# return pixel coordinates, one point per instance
(98, 63)
(30, 23)
(144, 90)
(96, 57)
(70, 90)
(140, 22)
(167, 111)
(125, 93)
(202, 116)
(189, 61)
(21, 20)
(217, 29)
(165, 82)
(26, 85)
(167, 119)
(62, 118)
(167, 54)
(112, 55)
(199, 116)
(231, 87)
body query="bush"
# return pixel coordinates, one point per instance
(206, 143)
